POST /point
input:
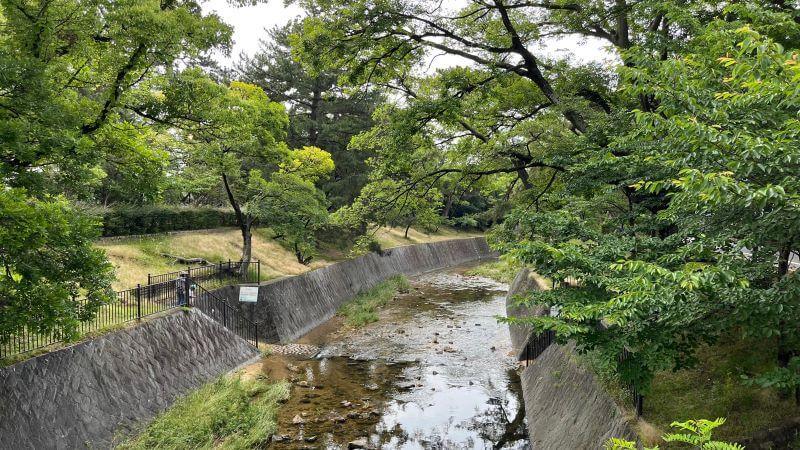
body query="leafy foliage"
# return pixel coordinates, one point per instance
(697, 433)
(48, 263)
(71, 74)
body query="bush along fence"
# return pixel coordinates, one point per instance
(538, 343)
(136, 220)
(161, 293)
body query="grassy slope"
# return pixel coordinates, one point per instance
(715, 388)
(136, 257)
(364, 308)
(230, 413)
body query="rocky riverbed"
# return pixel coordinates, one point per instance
(433, 373)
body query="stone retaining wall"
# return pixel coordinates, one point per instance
(565, 406)
(81, 396)
(289, 307)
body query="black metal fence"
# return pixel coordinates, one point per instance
(229, 316)
(163, 292)
(636, 398)
(538, 343)
(221, 273)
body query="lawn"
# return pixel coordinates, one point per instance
(134, 258)
(715, 388)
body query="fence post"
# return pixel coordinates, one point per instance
(256, 327)
(188, 287)
(258, 266)
(149, 280)
(139, 300)
(639, 405)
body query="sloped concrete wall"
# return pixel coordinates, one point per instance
(565, 406)
(79, 397)
(520, 333)
(290, 307)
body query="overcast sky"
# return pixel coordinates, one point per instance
(250, 22)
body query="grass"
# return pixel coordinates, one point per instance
(363, 309)
(500, 270)
(134, 258)
(229, 413)
(715, 389)
(712, 389)
(390, 237)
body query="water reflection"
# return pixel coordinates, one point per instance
(456, 387)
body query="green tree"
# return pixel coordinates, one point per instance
(233, 138)
(48, 261)
(700, 242)
(231, 133)
(635, 190)
(290, 203)
(69, 69)
(322, 113)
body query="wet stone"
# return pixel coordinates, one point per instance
(414, 393)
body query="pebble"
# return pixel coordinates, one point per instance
(358, 443)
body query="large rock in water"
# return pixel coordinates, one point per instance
(565, 405)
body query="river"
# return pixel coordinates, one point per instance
(435, 372)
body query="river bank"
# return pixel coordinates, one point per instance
(435, 371)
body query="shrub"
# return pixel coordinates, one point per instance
(132, 220)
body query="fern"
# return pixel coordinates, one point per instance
(699, 436)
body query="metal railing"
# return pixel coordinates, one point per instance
(217, 274)
(230, 317)
(636, 398)
(537, 344)
(163, 292)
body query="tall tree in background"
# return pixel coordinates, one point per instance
(234, 137)
(322, 113)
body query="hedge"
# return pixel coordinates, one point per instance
(133, 220)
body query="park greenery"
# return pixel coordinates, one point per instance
(657, 193)
(233, 412)
(363, 309)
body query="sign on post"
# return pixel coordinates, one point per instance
(248, 294)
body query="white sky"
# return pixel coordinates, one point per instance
(250, 22)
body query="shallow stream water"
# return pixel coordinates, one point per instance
(433, 373)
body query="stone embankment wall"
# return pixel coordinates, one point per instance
(289, 307)
(82, 396)
(565, 405)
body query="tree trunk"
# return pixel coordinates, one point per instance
(247, 244)
(245, 224)
(448, 205)
(406, 233)
(786, 350)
